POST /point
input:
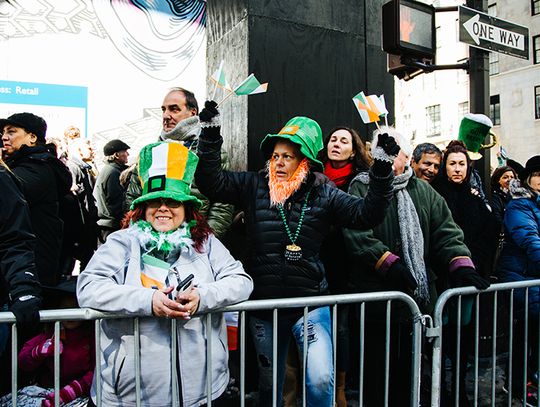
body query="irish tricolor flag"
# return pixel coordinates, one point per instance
(250, 86)
(219, 78)
(370, 107)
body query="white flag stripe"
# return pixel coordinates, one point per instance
(159, 160)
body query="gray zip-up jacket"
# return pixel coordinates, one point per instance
(112, 282)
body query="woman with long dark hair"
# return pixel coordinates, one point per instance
(344, 155)
(480, 230)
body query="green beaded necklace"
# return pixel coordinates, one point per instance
(293, 252)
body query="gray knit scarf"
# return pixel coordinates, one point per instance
(412, 239)
(187, 131)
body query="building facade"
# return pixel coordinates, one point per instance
(430, 106)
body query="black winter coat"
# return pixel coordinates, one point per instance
(273, 275)
(479, 225)
(45, 180)
(17, 242)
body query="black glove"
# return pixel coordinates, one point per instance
(210, 111)
(26, 309)
(466, 276)
(381, 168)
(388, 144)
(399, 276)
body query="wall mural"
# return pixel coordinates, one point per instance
(158, 37)
(123, 53)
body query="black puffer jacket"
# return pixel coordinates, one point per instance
(45, 181)
(273, 275)
(17, 266)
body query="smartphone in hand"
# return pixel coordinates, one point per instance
(184, 286)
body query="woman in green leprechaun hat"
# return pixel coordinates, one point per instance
(289, 207)
(166, 264)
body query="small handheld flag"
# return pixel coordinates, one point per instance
(366, 108)
(219, 78)
(250, 86)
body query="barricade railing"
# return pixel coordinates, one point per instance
(275, 305)
(462, 299)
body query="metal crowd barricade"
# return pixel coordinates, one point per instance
(435, 333)
(334, 302)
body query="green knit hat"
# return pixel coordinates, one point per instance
(473, 130)
(300, 130)
(166, 170)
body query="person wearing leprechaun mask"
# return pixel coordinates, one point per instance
(289, 209)
(141, 269)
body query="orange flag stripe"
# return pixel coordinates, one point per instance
(176, 161)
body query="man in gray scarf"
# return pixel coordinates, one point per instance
(181, 123)
(417, 245)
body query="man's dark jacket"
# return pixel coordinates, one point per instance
(110, 195)
(17, 242)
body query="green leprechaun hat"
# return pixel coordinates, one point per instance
(473, 130)
(166, 170)
(300, 130)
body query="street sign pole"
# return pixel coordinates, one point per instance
(479, 93)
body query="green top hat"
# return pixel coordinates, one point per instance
(166, 170)
(303, 131)
(473, 130)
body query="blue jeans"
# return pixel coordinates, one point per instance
(319, 367)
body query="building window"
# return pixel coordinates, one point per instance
(433, 120)
(535, 7)
(493, 63)
(463, 109)
(495, 109)
(536, 49)
(537, 102)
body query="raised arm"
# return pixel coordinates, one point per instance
(212, 180)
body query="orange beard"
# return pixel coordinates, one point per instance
(281, 190)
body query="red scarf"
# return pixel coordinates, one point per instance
(340, 176)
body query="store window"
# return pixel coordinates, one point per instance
(433, 120)
(495, 109)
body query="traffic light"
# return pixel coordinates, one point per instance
(409, 29)
(402, 71)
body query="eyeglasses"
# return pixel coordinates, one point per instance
(170, 203)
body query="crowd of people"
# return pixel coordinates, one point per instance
(327, 215)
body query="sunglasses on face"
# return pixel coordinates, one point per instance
(170, 203)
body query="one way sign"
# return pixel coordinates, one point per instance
(492, 34)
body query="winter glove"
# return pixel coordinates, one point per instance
(45, 349)
(399, 276)
(388, 144)
(67, 393)
(466, 276)
(209, 112)
(383, 155)
(26, 309)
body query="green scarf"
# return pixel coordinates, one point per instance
(163, 242)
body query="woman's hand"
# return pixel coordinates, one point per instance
(190, 300)
(163, 306)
